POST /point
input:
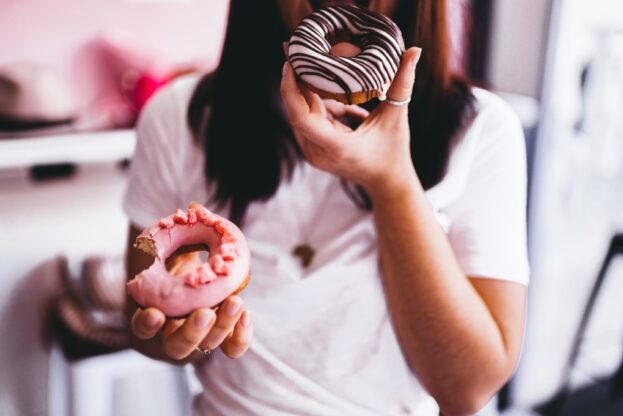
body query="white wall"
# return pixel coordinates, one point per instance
(575, 210)
(517, 42)
(75, 217)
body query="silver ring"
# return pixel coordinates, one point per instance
(396, 102)
(204, 351)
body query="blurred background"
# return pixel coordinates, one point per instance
(74, 74)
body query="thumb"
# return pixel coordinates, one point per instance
(402, 86)
(195, 205)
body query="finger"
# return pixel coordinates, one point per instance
(309, 96)
(284, 45)
(147, 322)
(339, 126)
(238, 343)
(402, 86)
(312, 124)
(171, 326)
(226, 317)
(295, 103)
(316, 104)
(314, 154)
(338, 109)
(183, 340)
(328, 139)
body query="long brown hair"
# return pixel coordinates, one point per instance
(249, 154)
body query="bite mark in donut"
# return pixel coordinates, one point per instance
(226, 272)
(351, 80)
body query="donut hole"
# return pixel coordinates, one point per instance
(188, 253)
(343, 43)
(345, 49)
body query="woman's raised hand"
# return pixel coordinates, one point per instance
(229, 326)
(375, 155)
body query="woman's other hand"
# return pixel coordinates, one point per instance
(229, 326)
(375, 155)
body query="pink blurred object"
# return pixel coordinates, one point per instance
(126, 51)
(138, 69)
(126, 72)
(145, 87)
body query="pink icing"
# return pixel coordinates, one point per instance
(166, 223)
(220, 267)
(208, 285)
(221, 228)
(180, 217)
(192, 279)
(205, 217)
(192, 216)
(228, 251)
(206, 274)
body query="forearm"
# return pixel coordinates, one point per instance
(445, 329)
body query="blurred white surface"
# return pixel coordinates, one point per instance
(517, 45)
(76, 217)
(526, 108)
(125, 383)
(576, 207)
(94, 147)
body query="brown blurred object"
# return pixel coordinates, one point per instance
(104, 282)
(90, 310)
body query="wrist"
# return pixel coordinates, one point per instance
(394, 185)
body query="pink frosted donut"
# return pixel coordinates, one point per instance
(226, 272)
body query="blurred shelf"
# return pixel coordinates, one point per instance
(84, 147)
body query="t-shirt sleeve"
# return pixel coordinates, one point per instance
(488, 231)
(154, 170)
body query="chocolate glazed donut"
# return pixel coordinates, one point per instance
(351, 80)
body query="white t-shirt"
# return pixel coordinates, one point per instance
(323, 342)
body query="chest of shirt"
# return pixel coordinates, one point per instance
(313, 209)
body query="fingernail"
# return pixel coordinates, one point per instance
(203, 319)
(416, 58)
(285, 68)
(152, 319)
(232, 308)
(246, 319)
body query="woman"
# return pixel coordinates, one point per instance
(389, 261)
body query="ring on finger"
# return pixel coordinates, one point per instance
(204, 351)
(398, 103)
